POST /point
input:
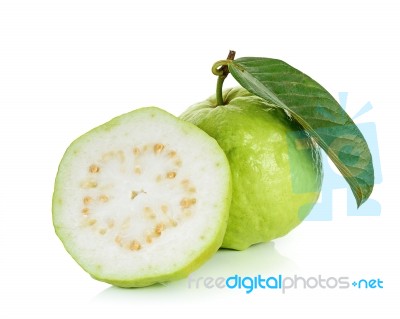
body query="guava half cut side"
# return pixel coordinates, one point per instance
(142, 199)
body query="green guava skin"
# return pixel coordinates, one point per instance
(276, 167)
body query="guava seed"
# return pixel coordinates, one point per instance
(92, 222)
(94, 169)
(159, 228)
(172, 154)
(134, 194)
(118, 240)
(164, 208)
(136, 151)
(110, 223)
(103, 198)
(134, 245)
(149, 213)
(171, 175)
(89, 184)
(158, 148)
(187, 202)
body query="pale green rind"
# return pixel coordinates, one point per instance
(259, 140)
(184, 270)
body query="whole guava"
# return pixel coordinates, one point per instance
(275, 165)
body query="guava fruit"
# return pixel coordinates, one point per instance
(142, 199)
(276, 167)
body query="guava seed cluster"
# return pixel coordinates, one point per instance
(144, 219)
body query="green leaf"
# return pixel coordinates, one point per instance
(317, 111)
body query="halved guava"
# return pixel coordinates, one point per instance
(142, 199)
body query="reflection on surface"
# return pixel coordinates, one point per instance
(261, 259)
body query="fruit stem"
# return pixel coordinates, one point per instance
(221, 69)
(220, 82)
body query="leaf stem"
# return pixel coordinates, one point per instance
(220, 68)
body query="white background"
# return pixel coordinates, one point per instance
(68, 66)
